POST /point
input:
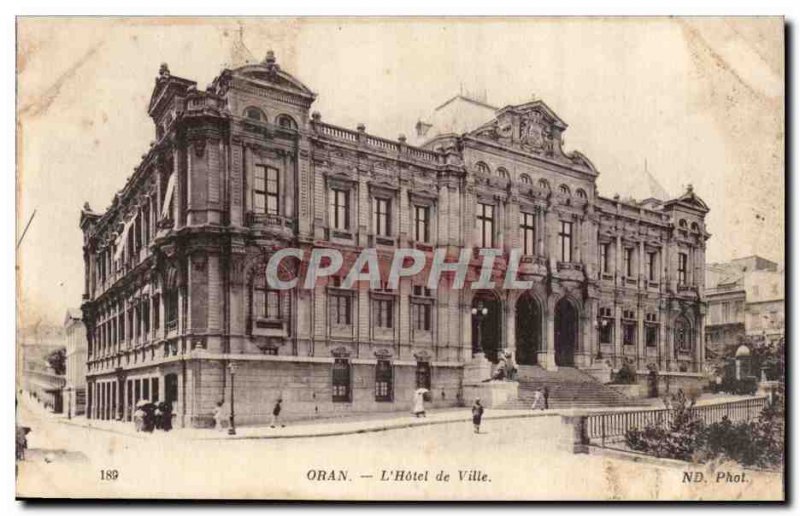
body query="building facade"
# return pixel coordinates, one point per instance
(175, 286)
(745, 299)
(75, 344)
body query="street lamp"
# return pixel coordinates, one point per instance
(479, 312)
(232, 426)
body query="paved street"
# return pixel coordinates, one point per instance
(520, 459)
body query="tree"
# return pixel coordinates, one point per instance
(57, 360)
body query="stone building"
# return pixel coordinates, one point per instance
(745, 298)
(175, 284)
(75, 344)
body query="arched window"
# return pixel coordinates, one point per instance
(683, 335)
(525, 179)
(286, 122)
(502, 172)
(682, 223)
(482, 168)
(563, 190)
(695, 227)
(581, 193)
(253, 113)
(543, 184)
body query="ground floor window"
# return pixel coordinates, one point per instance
(628, 333)
(383, 381)
(423, 375)
(341, 380)
(605, 326)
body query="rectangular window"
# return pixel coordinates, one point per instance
(605, 325)
(651, 266)
(422, 216)
(421, 312)
(423, 375)
(341, 380)
(565, 241)
(651, 336)
(266, 184)
(682, 263)
(156, 314)
(267, 302)
(604, 257)
(528, 233)
(383, 313)
(628, 333)
(273, 189)
(155, 389)
(340, 209)
(340, 309)
(146, 318)
(486, 224)
(629, 262)
(171, 309)
(381, 219)
(383, 381)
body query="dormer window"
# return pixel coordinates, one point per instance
(543, 184)
(502, 173)
(581, 193)
(256, 114)
(564, 190)
(525, 179)
(682, 224)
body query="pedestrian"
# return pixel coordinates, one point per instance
(276, 412)
(477, 414)
(138, 417)
(219, 418)
(419, 402)
(538, 400)
(547, 398)
(157, 416)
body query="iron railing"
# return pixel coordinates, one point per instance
(612, 426)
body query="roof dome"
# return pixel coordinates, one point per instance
(742, 351)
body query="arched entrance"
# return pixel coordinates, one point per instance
(486, 328)
(528, 330)
(566, 333)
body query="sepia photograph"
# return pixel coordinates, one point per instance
(400, 258)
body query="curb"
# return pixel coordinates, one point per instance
(331, 433)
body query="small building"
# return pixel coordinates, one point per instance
(76, 345)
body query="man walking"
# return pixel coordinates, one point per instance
(276, 412)
(477, 414)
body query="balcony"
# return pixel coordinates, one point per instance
(265, 327)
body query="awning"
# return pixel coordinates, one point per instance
(168, 196)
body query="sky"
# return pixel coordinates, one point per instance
(696, 101)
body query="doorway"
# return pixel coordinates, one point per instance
(566, 333)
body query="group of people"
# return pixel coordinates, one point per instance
(150, 416)
(541, 399)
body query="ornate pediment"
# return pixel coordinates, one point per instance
(268, 73)
(689, 200)
(532, 128)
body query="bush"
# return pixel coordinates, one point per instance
(626, 375)
(758, 443)
(747, 385)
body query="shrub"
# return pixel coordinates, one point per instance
(626, 375)
(758, 443)
(747, 385)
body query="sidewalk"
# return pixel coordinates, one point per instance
(356, 424)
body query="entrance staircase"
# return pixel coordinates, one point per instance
(569, 388)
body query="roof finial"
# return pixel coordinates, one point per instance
(689, 188)
(163, 70)
(270, 59)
